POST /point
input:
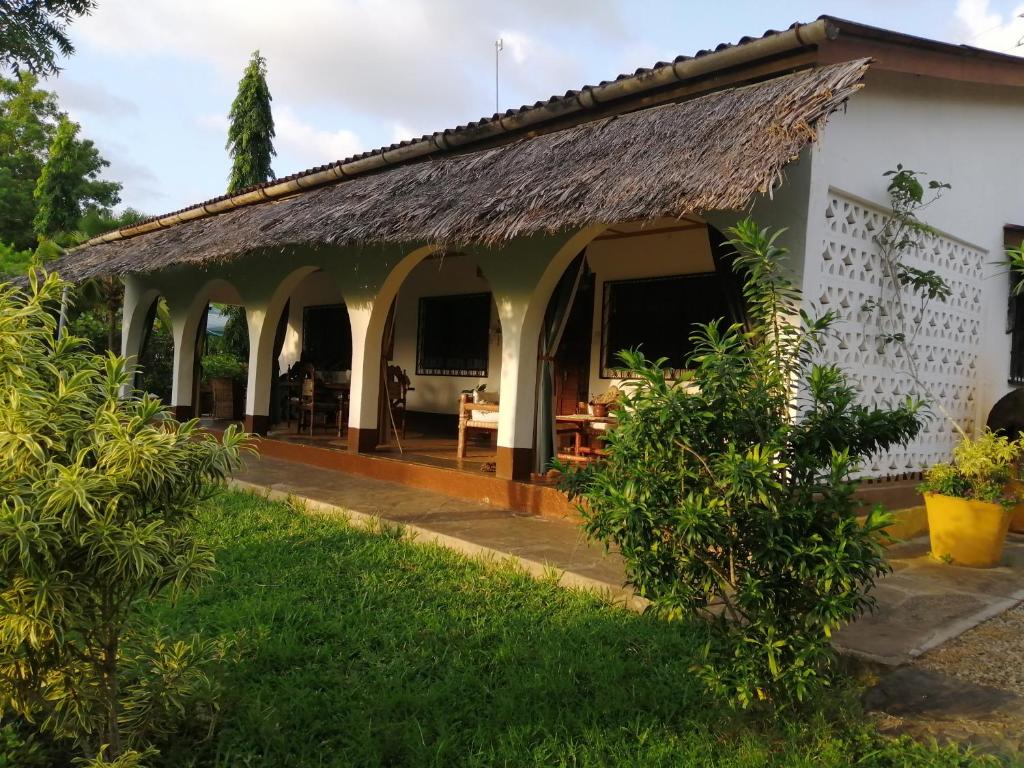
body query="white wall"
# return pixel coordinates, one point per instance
(968, 136)
(441, 276)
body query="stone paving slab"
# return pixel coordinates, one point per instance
(921, 604)
(924, 603)
(548, 541)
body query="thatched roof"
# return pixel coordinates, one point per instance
(711, 153)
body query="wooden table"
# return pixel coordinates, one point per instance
(582, 425)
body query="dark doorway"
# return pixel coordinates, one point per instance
(572, 360)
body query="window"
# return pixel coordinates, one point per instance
(1013, 237)
(658, 316)
(327, 337)
(454, 335)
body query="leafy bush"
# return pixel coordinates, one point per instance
(980, 470)
(14, 263)
(96, 494)
(729, 495)
(222, 366)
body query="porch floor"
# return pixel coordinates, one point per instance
(417, 447)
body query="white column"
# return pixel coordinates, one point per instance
(262, 330)
(367, 330)
(518, 389)
(137, 302)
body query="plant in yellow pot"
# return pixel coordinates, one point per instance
(968, 506)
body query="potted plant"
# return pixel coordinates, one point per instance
(969, 500)
(600, 405)
(225, 374)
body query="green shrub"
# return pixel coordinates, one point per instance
(96, 496)
(980, 470)
(729, 495)
(222, 366)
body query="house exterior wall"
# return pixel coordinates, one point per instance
(967, 136)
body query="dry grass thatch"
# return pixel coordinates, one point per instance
(712, 153)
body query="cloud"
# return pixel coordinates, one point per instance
(422, 62)
(980, 26)
(78, 96)
(309, 145)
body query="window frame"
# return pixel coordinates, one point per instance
(464, 373)
(606, 372)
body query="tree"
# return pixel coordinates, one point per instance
(69, 184)
(100, 298)
(96, 495)
(251, 129)
(730, 496)
(28, 120)
(34, 32)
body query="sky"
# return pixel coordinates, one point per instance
(152, 81)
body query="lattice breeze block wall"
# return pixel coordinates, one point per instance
(946, 345)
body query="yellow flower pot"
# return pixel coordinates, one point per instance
(1016, 488)
(965, 532)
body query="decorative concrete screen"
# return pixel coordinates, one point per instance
(946, 345)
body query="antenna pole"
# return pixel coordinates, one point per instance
(499, 46)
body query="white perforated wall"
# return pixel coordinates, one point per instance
(849, 273)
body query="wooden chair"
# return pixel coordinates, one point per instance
(310, 405)
(467, 422)
(398, 387)
(297, 373)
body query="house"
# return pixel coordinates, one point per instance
(523, 250)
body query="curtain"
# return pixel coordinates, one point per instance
(555, 319)
(732, 284)
(276, 396)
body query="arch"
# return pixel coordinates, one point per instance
(263, 321)
(368, 319)
(533, 323)
(187, 314)
(137, 310)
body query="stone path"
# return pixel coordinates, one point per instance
(539, 540)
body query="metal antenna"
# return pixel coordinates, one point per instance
(499, 46)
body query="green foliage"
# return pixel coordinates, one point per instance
(222, 366)
(14, 263)
(729, 495)
(34, 33)
(361, 649)
(96, 495)
(906, 291)
(1015, 261)
(156, 358)
(980, 470)
(235, 339)
(28, 116)
(251, 128)
(69, 185)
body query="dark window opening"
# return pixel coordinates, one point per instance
(327, 337)
(454, 335)
(1013, 237)
(658, 315)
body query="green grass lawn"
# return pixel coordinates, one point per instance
(360, 649)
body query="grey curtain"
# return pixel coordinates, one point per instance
(555, 319)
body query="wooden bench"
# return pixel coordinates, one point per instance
(467, 422)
